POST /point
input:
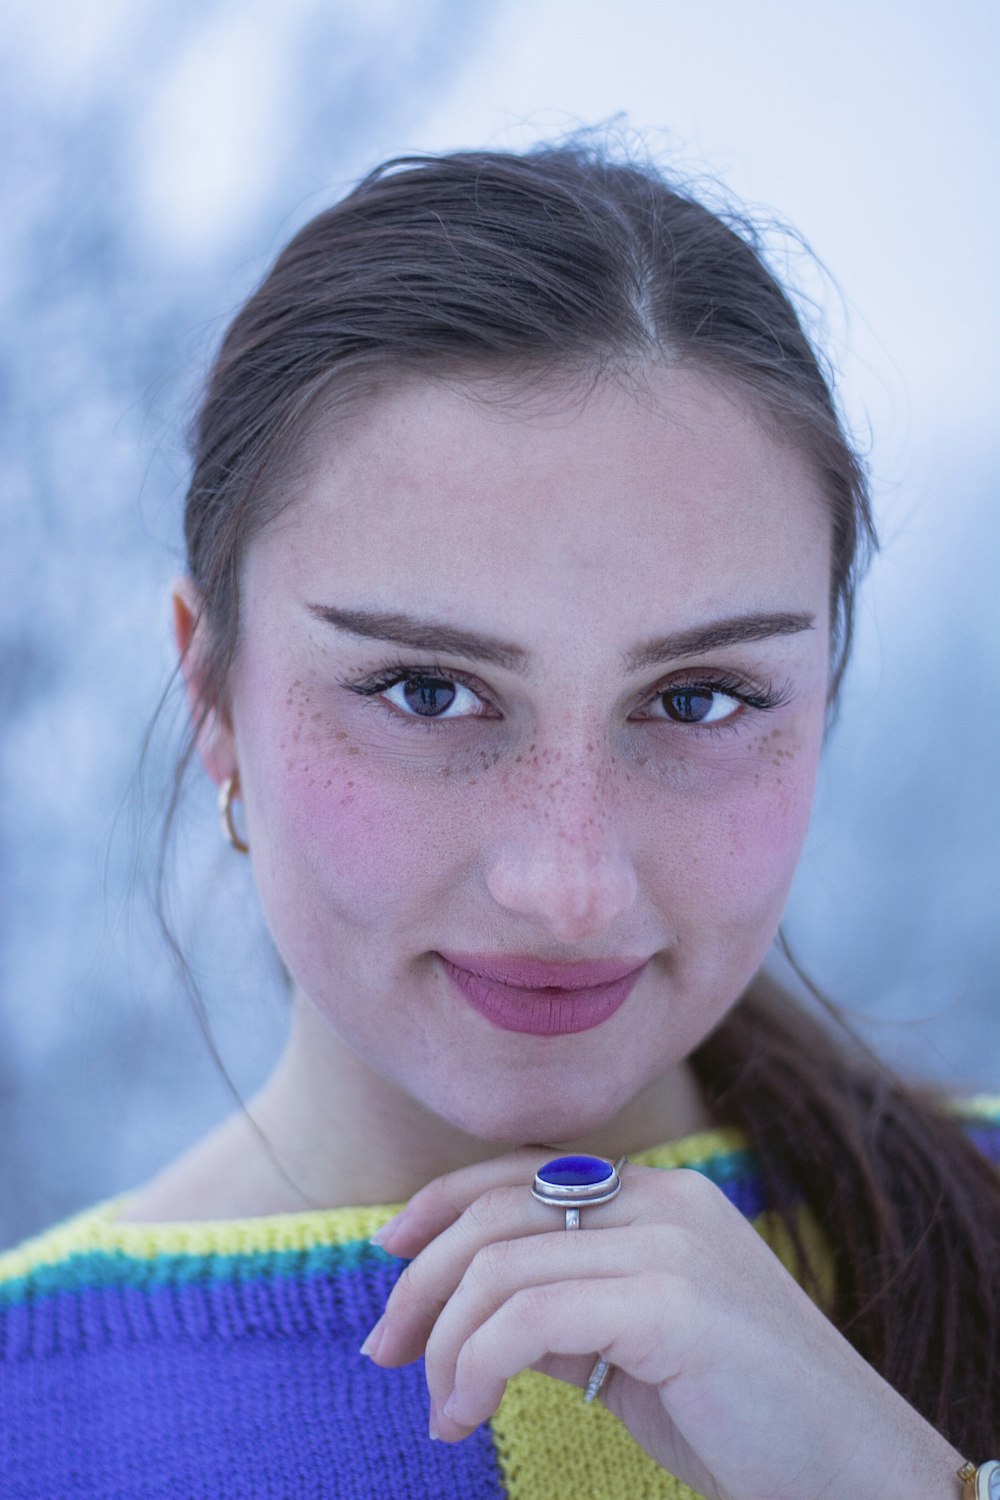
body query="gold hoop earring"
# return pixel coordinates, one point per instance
(227, 791)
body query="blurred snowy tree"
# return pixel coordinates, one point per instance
(150, 151)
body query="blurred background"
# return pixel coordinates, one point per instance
(156, 155)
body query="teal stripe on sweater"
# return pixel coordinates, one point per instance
(90, 1270)
(83, 1270)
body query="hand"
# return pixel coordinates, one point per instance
(723, 1369)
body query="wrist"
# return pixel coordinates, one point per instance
(982, 1483)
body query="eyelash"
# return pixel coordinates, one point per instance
(762, 696)
(402, 672)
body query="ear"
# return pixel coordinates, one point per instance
(215, 740)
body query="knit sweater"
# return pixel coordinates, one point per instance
(205, 1360)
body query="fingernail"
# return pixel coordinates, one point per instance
(453, 1410)
(387, 1230)
(433, 1433)
(371, 1343)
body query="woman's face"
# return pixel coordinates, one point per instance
(608, 752)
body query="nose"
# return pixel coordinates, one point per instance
(565, 862)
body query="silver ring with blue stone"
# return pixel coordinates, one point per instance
(572, 1183)
(575, 1182)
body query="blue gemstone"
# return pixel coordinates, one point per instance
(576, 1171)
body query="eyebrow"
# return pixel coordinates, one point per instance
(434, 635)
(427, 635)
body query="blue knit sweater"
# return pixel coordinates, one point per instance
(198, 1361)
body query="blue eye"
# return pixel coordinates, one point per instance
(699, 705)
(430, 697)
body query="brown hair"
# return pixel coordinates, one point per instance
(562, 258)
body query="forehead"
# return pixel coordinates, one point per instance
(667, 493)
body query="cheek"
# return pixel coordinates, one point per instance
(736, 852)
(340, 838)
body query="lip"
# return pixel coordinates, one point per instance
(518, 993)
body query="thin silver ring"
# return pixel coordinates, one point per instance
(596, 1379)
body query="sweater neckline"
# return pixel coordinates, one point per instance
(721, 1154)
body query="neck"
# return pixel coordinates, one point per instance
(343, 1134)
(326, 1131)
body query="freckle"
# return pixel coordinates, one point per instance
(289, 764)
(353, 750)
(316, 717)
(341, 734)
(446, 770)
(350, 783)
(326, 786)
(472, 781)
(297, 732)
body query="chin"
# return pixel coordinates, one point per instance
(523, 1123)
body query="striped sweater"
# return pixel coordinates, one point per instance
(204, 1360)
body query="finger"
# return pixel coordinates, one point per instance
(603, 1316)
(438, 1205)
(650, 1196)
(500, 1217)
(500, 1270)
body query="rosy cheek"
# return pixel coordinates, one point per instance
(766, 824)
(729, 824)
(346, 833)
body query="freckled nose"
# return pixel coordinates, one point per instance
(565, 864)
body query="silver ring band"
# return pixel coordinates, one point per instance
(598, 1376)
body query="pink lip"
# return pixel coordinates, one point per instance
(519, 993)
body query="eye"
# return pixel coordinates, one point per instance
(428, 697)
(699, 704)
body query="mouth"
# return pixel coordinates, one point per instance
(518, 993)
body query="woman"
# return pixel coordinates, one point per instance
(522, 545)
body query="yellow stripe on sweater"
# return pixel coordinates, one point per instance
(98, 1228)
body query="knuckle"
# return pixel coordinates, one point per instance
(408, 1280)
(492, 1263)
(692, 1190)
(410, 1286)
(534, 1303)
(490, 1209)
(671, 1244)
